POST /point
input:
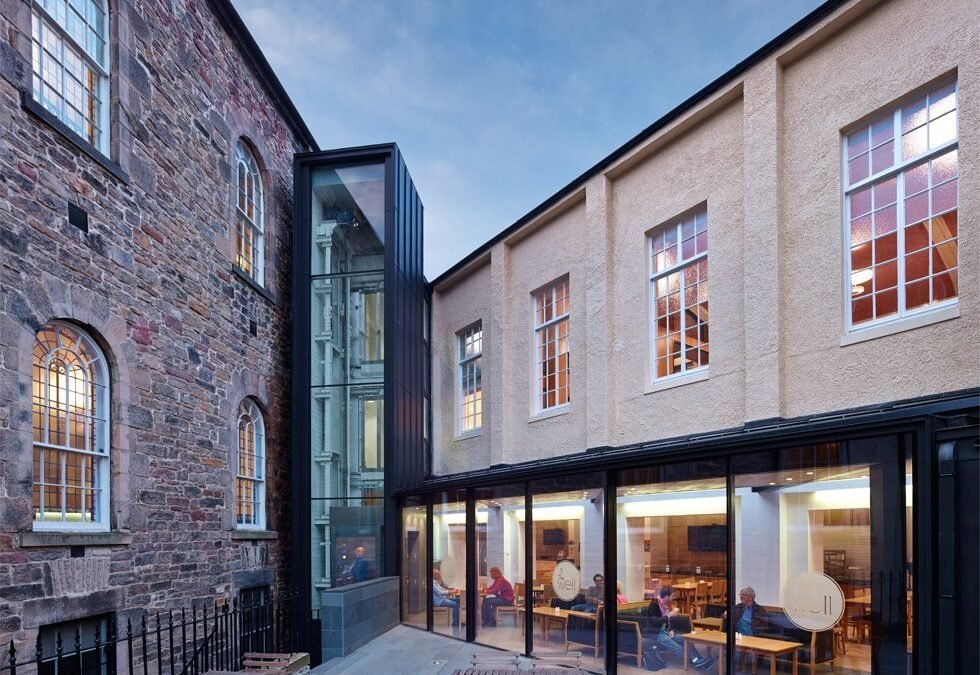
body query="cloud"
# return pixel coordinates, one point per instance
(497, 105)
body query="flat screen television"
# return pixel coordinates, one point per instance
(707, 538)
(555, 537)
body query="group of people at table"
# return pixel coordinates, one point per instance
(499, 593)
(659, 638)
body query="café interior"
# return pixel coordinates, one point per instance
(708, 529)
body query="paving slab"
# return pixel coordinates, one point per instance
(406, 650)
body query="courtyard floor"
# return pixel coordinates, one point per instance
(408, 650)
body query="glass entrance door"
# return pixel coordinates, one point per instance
(822, 561)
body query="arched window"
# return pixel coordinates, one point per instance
(70, 55)
(249, 244)
(71, 431)
(250, 488)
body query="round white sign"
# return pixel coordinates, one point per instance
(813, 601)
(565, 580)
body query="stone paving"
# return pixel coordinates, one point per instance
(408, 650)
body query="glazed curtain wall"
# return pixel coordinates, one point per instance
(802, 552)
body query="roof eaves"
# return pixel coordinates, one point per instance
(232, 22)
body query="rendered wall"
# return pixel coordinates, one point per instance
(764, 154)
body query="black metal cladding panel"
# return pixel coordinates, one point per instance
(404, 358)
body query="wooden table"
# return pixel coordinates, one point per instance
(862, 601)
(686, 593)
(708, 623)
(748, 643)
(549, 615)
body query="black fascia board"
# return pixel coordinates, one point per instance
(766, 50)
(232, 22)
(358, 153)
(904, 415)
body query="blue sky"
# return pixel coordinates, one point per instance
(498, 104)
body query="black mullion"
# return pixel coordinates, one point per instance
(611, 571)
(925, 518)
(729, 566)
(428, 561)
(528, 570)
(471, 566)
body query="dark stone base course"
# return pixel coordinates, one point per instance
(47, 611)
(352, 616)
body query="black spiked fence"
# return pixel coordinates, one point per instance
(170, 642)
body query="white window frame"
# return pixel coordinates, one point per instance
(249, 213)
(250, 413)
(52, 16)
(678, 267)
(896, 170)
(94, 418)
(469, 361)
(540, 332)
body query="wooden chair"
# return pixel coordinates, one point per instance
(840, 644)
(631, 636)
(718, 589)
(444, 610)
(594, 638)
(699, 598)
(519, 597)
(266, 663)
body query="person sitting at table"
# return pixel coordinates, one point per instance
(620, 596)
(443, 596)
(499, 593)
(659, 639)
(750, 617)
(593, 596)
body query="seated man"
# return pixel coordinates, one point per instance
(443, 596)
(659, 639)
(593, 596)
(750, 618)
(500, 592)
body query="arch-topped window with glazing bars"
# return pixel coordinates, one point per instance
(70, 58)
(250, 488)
(71, 430)
(249, 233)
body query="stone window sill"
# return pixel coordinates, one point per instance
(699, 375)
(466, 435)
(50, 539)
(563, 409)
(251, 283)
(920, 320)
(36, 109)
(248, 535)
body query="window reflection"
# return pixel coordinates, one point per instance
(567, 594)
(449, 565)
(672, 559)
(500, 555)
(414, 581)
(806, 516)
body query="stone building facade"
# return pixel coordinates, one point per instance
(148, 268)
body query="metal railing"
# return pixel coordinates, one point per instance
(170, 642)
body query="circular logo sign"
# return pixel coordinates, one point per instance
(565, 580)
(813, 601)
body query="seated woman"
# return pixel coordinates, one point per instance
(620, 596)
(500, 592)
(659, 639)
(443, 596)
